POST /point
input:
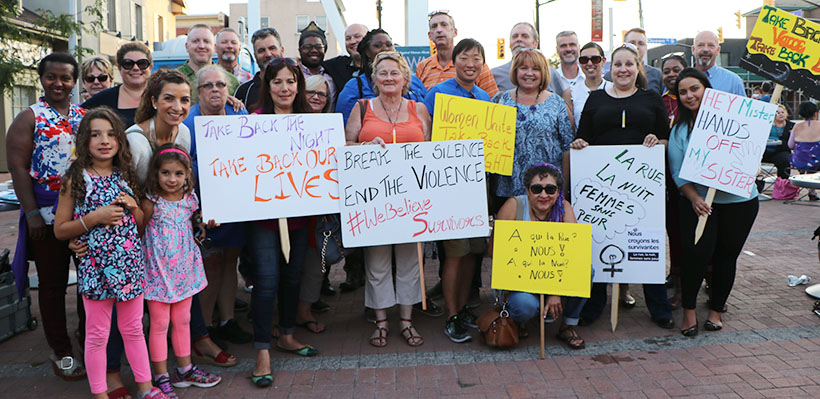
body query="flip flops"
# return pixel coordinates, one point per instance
(306, 351)
(313, 326)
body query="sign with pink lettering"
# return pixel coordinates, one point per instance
(727, 142)
(412, 192)
(257, 167)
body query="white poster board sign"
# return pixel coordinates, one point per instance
(412, 192)
(257, 167)
(621, 192)
(728, 142)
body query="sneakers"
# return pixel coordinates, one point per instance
(154, 393)
(231, 332)
(454, 329)
(468, 319)
(163, 383)
(195, 377)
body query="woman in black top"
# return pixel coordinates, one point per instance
(623, 114)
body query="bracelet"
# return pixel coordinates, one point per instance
(31, 214)
(83, 223)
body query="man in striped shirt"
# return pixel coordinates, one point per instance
(439, 67)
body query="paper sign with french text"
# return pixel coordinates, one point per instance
(542, 257)
(728, 142)
(256, 167)
(620, 191)
(459, 118)
(412, 192)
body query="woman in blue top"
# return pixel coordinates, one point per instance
(361, 86)
(730, 217)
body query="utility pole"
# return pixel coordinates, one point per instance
(640, 13)
(379, 12)
(538, 5)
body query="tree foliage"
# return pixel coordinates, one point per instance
(20, 49)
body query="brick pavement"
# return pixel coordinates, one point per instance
(768, 348)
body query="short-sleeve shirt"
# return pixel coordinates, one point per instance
(431, 73)
(452, 88)
(607, 120)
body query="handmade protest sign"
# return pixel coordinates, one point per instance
(459, 118)
(412, 192)
(541, 257)
(727, 142)
(785, 48)
(256, 167)
(620, 191)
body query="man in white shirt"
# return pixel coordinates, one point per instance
(567, 49)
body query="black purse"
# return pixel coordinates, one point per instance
(329, 239)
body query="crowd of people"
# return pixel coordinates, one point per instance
(112, 183)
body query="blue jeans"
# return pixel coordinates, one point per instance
(273, 277)
(523, 306)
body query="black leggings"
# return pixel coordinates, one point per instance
(723, 238)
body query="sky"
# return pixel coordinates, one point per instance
(486, 20)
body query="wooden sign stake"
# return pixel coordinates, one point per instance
(616, 298)
(710, 196)
(284, 238)
(420, 250)
(541, 323)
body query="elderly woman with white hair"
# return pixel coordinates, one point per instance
(317, 91)
(221, 248)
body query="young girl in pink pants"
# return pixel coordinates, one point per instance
(97, 206)
(174, 271)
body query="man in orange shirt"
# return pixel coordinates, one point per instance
(439, 67)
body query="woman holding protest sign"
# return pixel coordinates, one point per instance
(390, 118)
(730, 217)
(625, 113)
(543, 201)
(282, 92)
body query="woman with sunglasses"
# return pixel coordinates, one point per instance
(543, 127)
(134, 63)
(592, 60)
(97, 74)
(390, 118)
(625, 113)
(543, 201)
(361, 86)
(282, 92)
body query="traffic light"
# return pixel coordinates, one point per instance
(720, 35)
(737, 14)
(501, 49)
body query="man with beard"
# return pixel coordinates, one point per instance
(267, 45)
(522, 36)
(706, 49)
(200, 48)
(567, 48)
(343, 67)
(227, 52)
(312, 46)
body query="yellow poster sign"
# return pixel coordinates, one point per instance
(542, 257)
(785, 37)
(459, 118)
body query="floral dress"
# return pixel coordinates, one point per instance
(113, 266)
(173, 261)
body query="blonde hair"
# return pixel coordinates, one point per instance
(97, 61)
(403, 67)
(537, 59)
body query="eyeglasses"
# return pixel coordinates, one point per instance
(128, 65)
(308, 47)
(596, 59)
(91, 78)
(286, 60)
(210, 85)
(438, 12)
(320, 94)
(548, 188)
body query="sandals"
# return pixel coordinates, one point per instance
(305, 351)
(412, 339)
(222, 359)
(570, 337)
(313, 326)
(119, 393)
(379, 337)
(262, 381)
(628, 302)
(68, 368)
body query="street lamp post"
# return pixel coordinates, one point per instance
(538, 5)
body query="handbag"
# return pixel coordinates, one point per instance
(329, 239)
(784, 190)
(497, 328)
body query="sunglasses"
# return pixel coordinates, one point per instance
(308, 47)
(91, 78)
(286, 60)
(549, 189)
(393, 55)
(311, 93)
(438, 12)
(210, 85)
(128, 65)
(630, 46)
(596, 59)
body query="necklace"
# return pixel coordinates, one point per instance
(387, 112)
(532, 212)
(533, 107)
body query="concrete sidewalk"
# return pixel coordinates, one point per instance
(768, 347)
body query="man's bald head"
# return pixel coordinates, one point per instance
(353, 35)
(706, 49)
